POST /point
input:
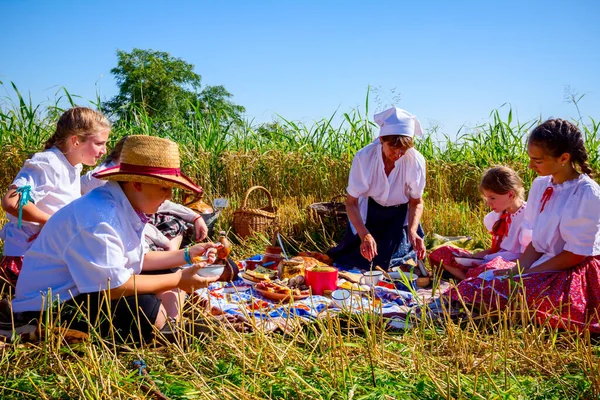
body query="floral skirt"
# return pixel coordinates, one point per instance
(10, 268)
(567, 299)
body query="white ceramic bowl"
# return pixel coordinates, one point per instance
(370, 278)
(468, 262)
(211, 271)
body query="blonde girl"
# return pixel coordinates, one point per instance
(503, 192)
(48, 181)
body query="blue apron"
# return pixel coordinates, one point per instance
(386, 225)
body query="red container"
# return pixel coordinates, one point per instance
(319, 281)
(251, 264)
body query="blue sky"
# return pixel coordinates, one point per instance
(448, 62)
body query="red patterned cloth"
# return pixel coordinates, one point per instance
(10, 267)
(568, 299)
(445, 255)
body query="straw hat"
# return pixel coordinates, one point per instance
(149, 159)
(396, 121)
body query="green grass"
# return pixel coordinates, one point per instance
(501, 356)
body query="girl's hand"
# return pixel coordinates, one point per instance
(190, 281)
(200, 228)
(418, 244)
(368, 247)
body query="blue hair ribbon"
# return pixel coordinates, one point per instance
(25, 193)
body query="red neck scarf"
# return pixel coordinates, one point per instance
(546, 196)
(499, 231)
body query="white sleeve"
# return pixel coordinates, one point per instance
(490, 219)
(358, 182)
(525, 232)
(580, 226)
(416, 176)
(39, 175)
(89, 183)
(178, 210)
(96, 257)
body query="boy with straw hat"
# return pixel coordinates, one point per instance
(94, 247)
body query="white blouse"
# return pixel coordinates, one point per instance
(517, 239)
(570, 220)
(92, 243)
(54, 183)
(368, 179)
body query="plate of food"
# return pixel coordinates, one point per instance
(277, 292)
(469, 261)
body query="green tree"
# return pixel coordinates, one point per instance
(165, 88)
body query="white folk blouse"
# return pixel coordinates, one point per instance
(54, 183)
(570, 219)
(517, 239)
(368, 179)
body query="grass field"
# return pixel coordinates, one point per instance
(348, 357)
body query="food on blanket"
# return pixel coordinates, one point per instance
(320, 257)
(311, 262)
(354, 286)
(261, 273)
(290, 268)
(280, 288)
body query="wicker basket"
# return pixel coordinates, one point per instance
(247, 221)
(333, 211)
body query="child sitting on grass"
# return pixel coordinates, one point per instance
(49, 181)
(89, 256)
(503, 192)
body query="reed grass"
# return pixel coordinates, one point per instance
(489, 355)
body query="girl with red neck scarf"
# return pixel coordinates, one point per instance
(558, 274)
(503, 192)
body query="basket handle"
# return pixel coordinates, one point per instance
(334, 198)
(254, 188)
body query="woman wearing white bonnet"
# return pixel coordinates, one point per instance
(385, 189)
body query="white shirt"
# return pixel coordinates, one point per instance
(368, 179)
(570, 220)
(95, 240)
(54, 183)
(517, 239)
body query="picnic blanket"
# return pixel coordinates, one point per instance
(242, 300)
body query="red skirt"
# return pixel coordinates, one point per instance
(10, 268)
(445, 255)
(567, 299)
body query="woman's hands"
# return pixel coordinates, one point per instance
(417, 243)
(200, 228)
(368, 247)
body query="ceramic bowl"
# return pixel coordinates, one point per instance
(211, 271)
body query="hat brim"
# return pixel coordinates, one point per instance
(181, 181)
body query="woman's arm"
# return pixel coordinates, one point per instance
(368, 247)
(10, 204)
(563, 260)
(529, 256)
(415, 211)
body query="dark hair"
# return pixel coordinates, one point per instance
(79, 121)
(115, 153)
(557, 136)
(502, 180)
(398, 141)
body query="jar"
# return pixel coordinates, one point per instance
(272, 257)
